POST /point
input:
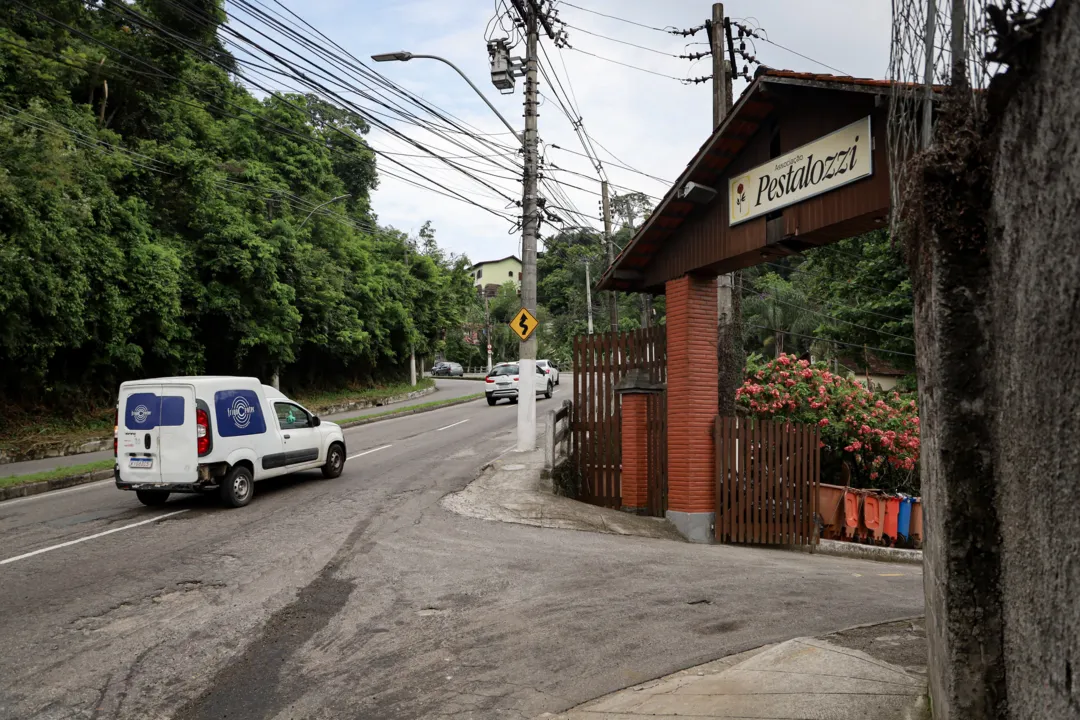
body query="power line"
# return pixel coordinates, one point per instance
(684, 81)
(611, 164)
(854, 308)
(670, 29)
(829, 340)
(829, 317)
(624, 42)
(145, 22)
(799, 269)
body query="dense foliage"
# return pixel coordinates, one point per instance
(156, 218)
(875, 434)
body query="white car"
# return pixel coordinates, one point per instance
(202, 434)
(502, 382)
(550, 369)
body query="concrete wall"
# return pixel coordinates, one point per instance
(996, 267)
(1035, 265)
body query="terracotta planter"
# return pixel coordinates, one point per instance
(916, 522)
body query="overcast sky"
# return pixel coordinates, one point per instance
(654, 124)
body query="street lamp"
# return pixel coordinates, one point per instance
(331, 200)
(526, 420)
(403, 56)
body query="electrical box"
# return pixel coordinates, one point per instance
(502, 70)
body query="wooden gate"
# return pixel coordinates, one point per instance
(600, 361)
(767, 475)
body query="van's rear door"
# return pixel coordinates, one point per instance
(178, 440)
(157, 434)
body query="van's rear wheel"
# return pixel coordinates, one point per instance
(237, 487)
(152, 498)
(335, 461)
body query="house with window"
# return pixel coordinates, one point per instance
(490, 275)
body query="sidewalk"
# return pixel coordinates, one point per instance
(844, 676)
(511, 490)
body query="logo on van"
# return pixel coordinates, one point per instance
(241, 412)
(141, 414)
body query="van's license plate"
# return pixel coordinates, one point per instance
(141, 462)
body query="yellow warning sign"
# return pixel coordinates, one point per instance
(524, 323)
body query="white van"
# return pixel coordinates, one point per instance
(199, 434)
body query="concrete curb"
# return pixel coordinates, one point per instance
(837, 548)
(44, 486)
(407, 411)
(36, 488)
(365, 404)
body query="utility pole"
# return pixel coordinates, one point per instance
(526, 420)
(614, 297)
(728, 305)
(487, 327)
(588, 294)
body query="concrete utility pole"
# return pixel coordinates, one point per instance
(729, 316)
(588, 294)
(526, 420)
(487, 325)
(614, 298)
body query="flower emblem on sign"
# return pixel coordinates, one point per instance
(740, 206)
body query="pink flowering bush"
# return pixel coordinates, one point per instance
(875, 434)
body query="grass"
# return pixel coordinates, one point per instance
(58, 473)
(413, 408)
(318, 401)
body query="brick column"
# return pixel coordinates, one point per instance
(635, 455)
(691, 405)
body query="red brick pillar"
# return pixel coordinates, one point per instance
(691, 405)
(635, 455)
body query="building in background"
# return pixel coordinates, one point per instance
(490, 275)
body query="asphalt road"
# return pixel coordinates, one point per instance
(361, 597)
(447, 389)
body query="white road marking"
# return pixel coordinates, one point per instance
(368, 452)
(54, 493)
(453, 425)
(89, 537)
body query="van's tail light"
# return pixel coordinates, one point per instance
(515, 378)
(116, 434)
(202, 430)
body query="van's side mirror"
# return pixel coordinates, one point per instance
(315, 421)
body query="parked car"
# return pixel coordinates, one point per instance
(223, 434)
(449, 369)
(550, 369)
(502, 382)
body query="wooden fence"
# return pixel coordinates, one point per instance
(599, 362)
(767, 476)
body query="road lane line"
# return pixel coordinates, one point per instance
(89, 537)
(453, 425)
(368, 452)
(54, 493)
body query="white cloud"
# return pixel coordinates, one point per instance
(653, 123)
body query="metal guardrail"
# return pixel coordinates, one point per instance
(556, 439)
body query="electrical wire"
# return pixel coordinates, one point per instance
(632, 67)
(799, 269)
(623, 42)
(829, 340)
(143, 21)
(751, 291)
(611, 164)
(670, 29)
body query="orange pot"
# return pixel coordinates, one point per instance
(916, 522)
